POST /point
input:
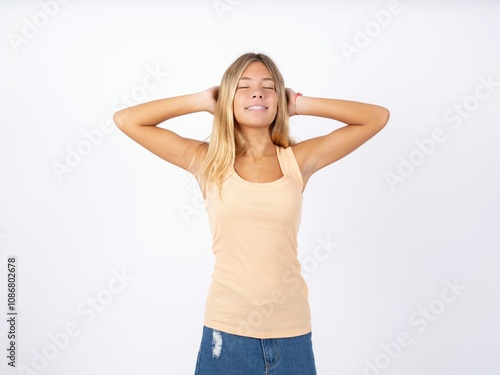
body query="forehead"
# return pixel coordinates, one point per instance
(256, 69)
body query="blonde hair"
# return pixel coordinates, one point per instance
(226, 141)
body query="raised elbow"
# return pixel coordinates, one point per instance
(383, 116)
(120, 118)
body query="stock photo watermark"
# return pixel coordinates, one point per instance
(86, 310)
(223, 6)
(420, 321)
(426, 147)
(11, 311)
(266, 307)
(321, 253)
(195, 207)
(94, 137)
(363, 37)
(31, 26)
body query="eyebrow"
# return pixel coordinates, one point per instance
(263, 79)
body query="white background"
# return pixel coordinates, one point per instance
(119, 209)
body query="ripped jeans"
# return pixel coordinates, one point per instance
(222, 353)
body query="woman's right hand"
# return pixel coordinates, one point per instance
(209, 98)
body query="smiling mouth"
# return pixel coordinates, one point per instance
(256, 108)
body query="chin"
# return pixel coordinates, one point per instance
(254, 124)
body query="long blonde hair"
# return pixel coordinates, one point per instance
(226, 141)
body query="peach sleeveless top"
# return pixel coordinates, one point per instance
(257, 289)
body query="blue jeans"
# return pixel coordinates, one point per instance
(222, 353)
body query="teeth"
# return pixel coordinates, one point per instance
(256, 107)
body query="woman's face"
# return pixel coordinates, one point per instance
(256, 100)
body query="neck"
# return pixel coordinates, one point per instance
(258, 142)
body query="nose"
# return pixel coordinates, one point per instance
(257, 95)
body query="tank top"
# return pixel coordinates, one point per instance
(257, 289)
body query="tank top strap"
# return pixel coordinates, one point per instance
(289, 164)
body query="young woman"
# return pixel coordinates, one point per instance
(252, 176)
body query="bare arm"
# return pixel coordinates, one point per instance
(363, 122)
(140, 123)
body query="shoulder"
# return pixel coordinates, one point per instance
(300, 151)
(198, 155)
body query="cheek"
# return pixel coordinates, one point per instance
(275, 106)
(237, 107)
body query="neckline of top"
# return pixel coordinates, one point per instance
(269, 183)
